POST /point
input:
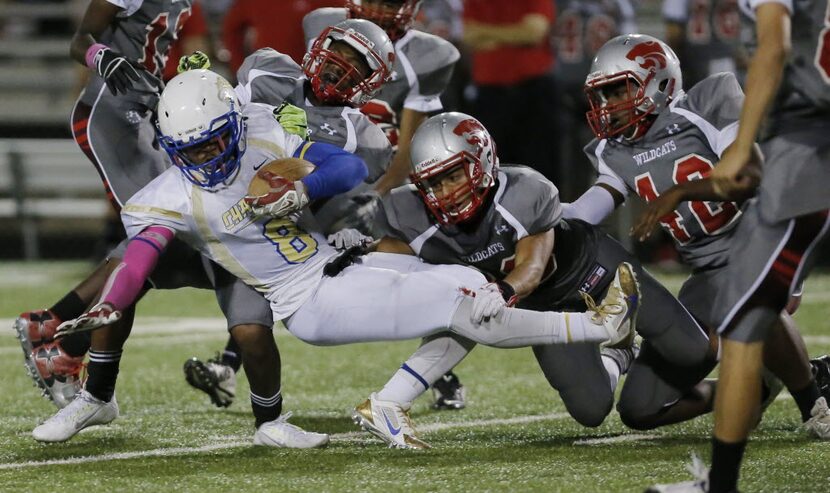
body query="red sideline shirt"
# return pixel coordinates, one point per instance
(510, 64)
(277, 24)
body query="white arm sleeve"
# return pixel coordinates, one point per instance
(593, 206)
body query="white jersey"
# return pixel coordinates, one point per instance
(275, 256)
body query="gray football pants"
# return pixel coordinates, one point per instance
(673, 357)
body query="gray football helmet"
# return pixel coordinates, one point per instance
(394, 16)
(447, 142)
(349, 86)
(650, 71)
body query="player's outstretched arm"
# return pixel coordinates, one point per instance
(594, 205)
(125, 283)
(707, 189)
(766, 70)
(400, 166)
(118, 72)
(336, 171)
(533, 255)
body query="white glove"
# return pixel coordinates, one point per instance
(488, 302)
(283, 198)
(98, 316)
(347, 238)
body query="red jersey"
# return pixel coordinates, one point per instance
(510, 64)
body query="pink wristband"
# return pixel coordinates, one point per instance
(91, 52)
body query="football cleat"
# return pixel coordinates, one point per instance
(388, 421)
(84, 411)
(281, 433)
(56, 373)
(215, 379)
(821, 372)
(617, 312)
(35, 328)
(819, 423)
(449, 393)
(700, 483)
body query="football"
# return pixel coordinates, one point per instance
(290, 168)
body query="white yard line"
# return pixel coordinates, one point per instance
(616, 439)
(237, 442)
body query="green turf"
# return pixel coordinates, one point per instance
(159, 411)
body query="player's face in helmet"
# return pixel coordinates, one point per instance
(454, 166)
(633, 78)
(200, 127)
(614, 99)
(211, 149)
(393, 16)
(452, 189)
(344, 69)
(348, 63)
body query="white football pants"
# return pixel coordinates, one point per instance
(386, 296)
(382, 297)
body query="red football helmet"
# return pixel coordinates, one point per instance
(394, 16)
(334, 79)
(648, 71)
(443, 145)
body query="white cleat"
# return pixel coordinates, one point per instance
(819, 423)
(281, 433)
(388, 421)
(83, 412)
(617, 312)
(700, 483)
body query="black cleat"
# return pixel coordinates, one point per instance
(218, 381)
(449, 393)
(821, 372)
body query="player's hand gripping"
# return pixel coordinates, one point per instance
(118, 73)
(347, 238)
(98, 316)
(283, 197)
(488, 301)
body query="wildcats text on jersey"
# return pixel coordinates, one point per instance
(485, 253)
(644, 157)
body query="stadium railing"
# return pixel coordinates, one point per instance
(46, 179)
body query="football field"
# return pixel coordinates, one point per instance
(514, 436)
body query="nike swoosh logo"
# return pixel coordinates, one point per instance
(394, 430)
(260, 165)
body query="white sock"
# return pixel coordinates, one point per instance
(577, 327)
(613, 370)
(402, 388)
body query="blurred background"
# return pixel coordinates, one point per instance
(52, 203)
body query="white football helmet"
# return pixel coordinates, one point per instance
(446, 142)
(198, 109)
(650, 71)
(345, 84)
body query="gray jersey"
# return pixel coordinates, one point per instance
(422, 70)
(144, 31)
(524, 203)
(682, 144)
(270, 77)
(805, 89)
(712, 29)
(582, 27)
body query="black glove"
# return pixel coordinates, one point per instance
(118, 73)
